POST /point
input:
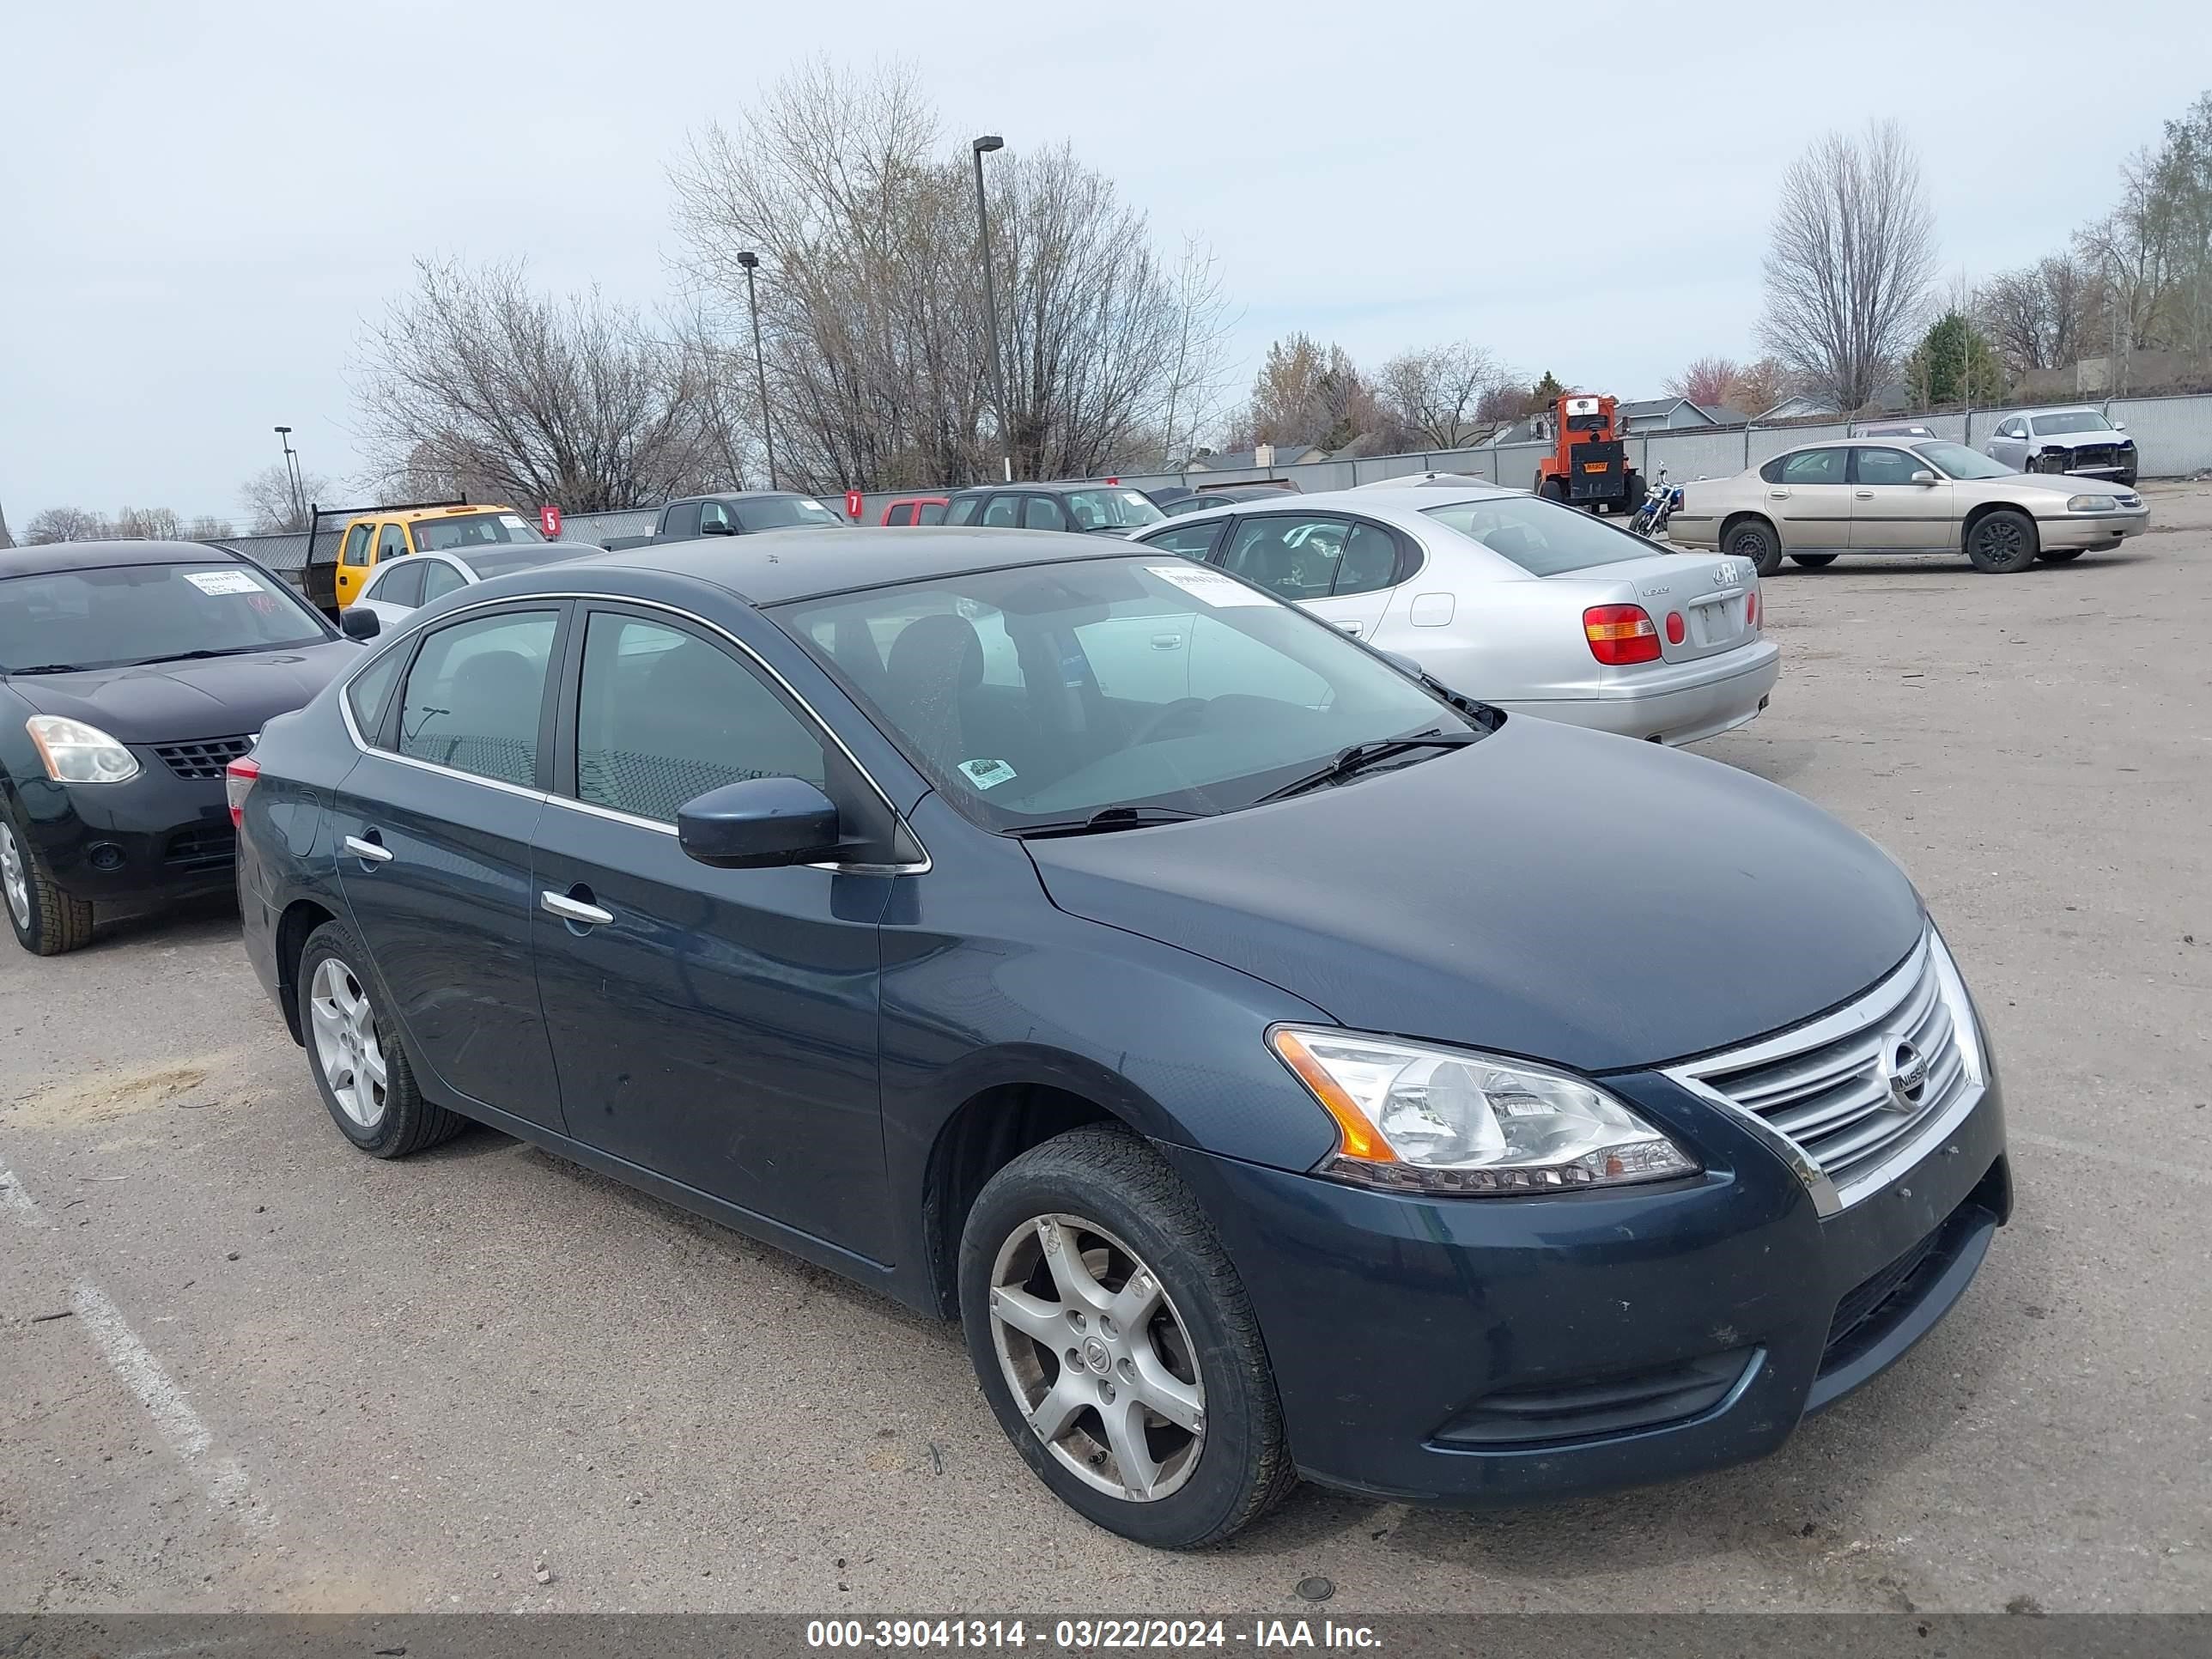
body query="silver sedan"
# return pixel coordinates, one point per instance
(401, 586)
(1536, 607)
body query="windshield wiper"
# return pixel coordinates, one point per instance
(1361, 756)
(1106, 819)
(50, 668)
(195, 656)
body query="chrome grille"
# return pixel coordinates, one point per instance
(1825, 1089)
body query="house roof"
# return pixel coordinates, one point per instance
(1229, 461)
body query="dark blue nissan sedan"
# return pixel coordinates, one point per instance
(1281, 1065)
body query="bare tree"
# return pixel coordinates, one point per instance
(273, 509)
(1848, 267)
(1433, 393)
(1305, 393)
(152, 524)
(1196, 373)
(2037, 316)
(209, 528)
(527, 397)
(1759, 385)
(1707, 380)
(66, 523)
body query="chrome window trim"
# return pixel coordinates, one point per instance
(1929, 956)
(526, 601)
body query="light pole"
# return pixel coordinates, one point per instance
(751, 261)
(292, 472)
(988, 141)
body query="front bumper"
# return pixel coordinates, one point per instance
(1672, 702)
(2078, 530)
(1484, 1353)
(155, 838)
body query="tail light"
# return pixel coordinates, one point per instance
(1751, 609)
(237, 783)
(1620, 634)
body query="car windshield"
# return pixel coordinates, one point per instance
(2077, 420)
(1051, 692)
(1960, 462)
(782, 512)
(466, 532)
(116, 615)
(1542, 537)
(1111, 509)
(488, 563)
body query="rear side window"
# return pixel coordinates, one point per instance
(1294, 555)
(1369, 562)
(440, 578)
(371, 690)
(399, 583)
(355, 550)
(1001, 510)
(474, 696)
(663, 716)
(1192, 540)
(391, 542)
(1815, 466)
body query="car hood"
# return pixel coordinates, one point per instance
(179, 701)
(1551, 892)
(2079, 440)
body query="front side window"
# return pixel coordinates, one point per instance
(1543, 537)
(399, 583)
(391, 542)
(1815, 466)
(1888, 466)
(963, 511)
(355, 550)
(714, 521)
(2013, 429)
(929, 512)
(663, 715)
(1050, 692)
(475, 693)
(113, 615)
(1957, 461)
(472, 530)
(1002, 510)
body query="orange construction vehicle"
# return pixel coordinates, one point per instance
(1589, 463)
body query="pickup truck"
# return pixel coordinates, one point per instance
(740, 513)
(334, 581)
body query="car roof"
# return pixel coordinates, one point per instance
(416, 514)
(744, 496)
(2059, 409)
(41, 557)
(772, 567)
(1059, 486)
(1400, 506)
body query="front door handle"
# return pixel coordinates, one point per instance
(575, 910)
(1166, 641)
(1865, 495)
(368, 852)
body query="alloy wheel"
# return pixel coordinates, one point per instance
(1098, 1358)
(346, 1045)
(2002, 541)
(14, 877)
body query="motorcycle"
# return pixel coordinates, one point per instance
(1657, 506)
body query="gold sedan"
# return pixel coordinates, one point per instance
(1870, 495)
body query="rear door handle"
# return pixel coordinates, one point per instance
(1166, 641)
(575, 910)
(1778, 495)
(1866, 495)
(368, 852)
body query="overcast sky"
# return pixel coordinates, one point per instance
(201, 200)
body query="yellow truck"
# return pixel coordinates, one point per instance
(337, 565)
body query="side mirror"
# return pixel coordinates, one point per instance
(2119, 426)
(359, 623)
(718, 527)
(761, 823)
(1924, 476)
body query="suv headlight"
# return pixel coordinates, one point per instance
(76, 753)
(1411, 1117)
(2091, 504)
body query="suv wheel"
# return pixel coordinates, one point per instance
(1116, 1344)
(47, 921)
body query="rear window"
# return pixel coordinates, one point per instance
(488, 563)
(1543, 538)
(467, 531)
(782, 512)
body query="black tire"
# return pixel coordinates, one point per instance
(47, 920)
(1814, 561)
(403, 1121)
(2061, 554)
(1754, 539)
(1632, 493)
(1140, 1219)
(1551, 490)
(2002, 543)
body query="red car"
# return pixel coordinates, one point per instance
(915, 509)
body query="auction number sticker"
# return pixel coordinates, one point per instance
(511, 521)
(1079, 1634)
(1208, 586)
(222, 581)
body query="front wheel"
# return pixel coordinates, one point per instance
(1116, 1344)
(1755, 540)
(2002, 543)
(47, 921)
(1813, 561)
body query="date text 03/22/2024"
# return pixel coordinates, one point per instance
(1087, 1634)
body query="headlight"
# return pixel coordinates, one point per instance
(76, 753)
(2091, 504)
(1445, 1121)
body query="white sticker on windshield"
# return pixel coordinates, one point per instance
(986, 774)
(1208, 586)
(223, 581)
(513, 521)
